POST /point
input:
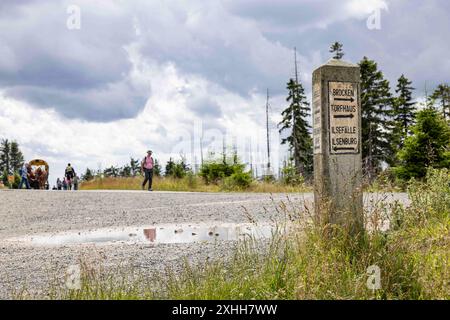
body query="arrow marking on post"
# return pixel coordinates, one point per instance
(343, 148)
(343, 115)
(345, 99)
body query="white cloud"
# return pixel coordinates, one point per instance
(166, 124)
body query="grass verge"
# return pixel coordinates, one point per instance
(190, 183)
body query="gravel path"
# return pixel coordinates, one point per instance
(28, 213)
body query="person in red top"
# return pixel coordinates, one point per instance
(147, 170)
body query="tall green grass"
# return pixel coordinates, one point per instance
(413, 258)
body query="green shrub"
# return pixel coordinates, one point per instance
(17, 179)
(269, 178)
(427, 147)
(216, 171)
(291, 177)
(238, 181)
(191, 180)
(5, 178)
(231, 176)
(177, 169)
(14, 184)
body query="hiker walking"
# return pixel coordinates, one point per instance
(70, 174)
(147, 169)
(75, 182)
(24, 176)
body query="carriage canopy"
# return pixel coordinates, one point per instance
(39, 163)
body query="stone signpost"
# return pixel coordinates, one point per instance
(337, 144)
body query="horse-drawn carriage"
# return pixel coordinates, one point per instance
(38, 174)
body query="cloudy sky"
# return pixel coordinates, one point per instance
(133, 75)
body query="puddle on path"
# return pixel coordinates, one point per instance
(182, 233)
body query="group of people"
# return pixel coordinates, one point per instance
(70, 180)
(38, 179)
(33, 179)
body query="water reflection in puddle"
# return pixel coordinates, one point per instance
(155, 234)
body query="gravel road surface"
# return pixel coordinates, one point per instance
(27, 214)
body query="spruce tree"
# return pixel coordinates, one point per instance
(135, 165)
(442, 96)
(111, 172)
(89, 175)
(295, 118)
(177, 169)
(125, 171)
(336, 49)
(428, 146)
(16, 157)
(157, 168)
(404, 108)
(5, 152)
(376, 105)
(170, 165)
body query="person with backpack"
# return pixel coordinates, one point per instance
(75, 182)
(147, 170)
(70, 174)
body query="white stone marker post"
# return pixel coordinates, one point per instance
(337, 145)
